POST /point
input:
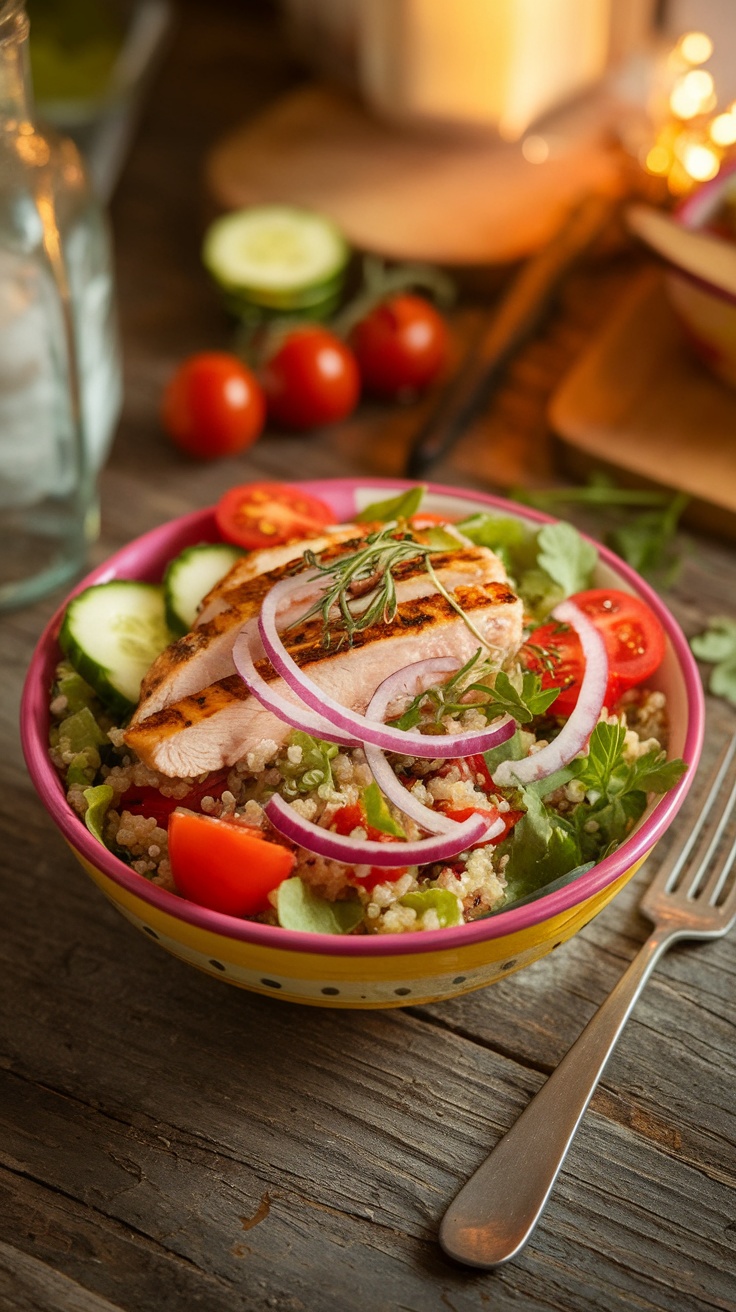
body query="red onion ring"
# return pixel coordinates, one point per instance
(419, 673)
(296, 715)
(406, 742)
(358, 851)
(576, 731)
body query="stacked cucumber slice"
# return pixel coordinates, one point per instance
(277, 259)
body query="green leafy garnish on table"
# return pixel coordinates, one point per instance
(717, 646)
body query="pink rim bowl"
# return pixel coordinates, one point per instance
(370, 971)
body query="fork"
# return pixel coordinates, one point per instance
(495, 1213)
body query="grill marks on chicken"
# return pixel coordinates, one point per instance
(217, 725)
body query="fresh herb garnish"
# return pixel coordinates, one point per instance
(646, 540)
(502, 697)
(717, 646)
(305, 763)
(362, 590)
(615, 798)
(548, 564)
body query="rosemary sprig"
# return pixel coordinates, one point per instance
(364, 576)
(363, 588)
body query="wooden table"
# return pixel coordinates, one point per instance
(170, 1143)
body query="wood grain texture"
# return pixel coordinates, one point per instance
(170, 1143)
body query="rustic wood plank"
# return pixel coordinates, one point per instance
(28, 1285)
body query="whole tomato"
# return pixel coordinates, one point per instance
(213, 406)
(311, 379)
(400, 346)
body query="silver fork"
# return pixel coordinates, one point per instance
(494, 1214)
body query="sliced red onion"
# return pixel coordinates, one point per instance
(358, 851)
(576, 731)
(296, 715)
(408, 743)
(412, 678)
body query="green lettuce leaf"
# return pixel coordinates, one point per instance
(299, 908)
(440, 900)
(98, 803)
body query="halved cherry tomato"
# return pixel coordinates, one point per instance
(213, 406)
(311, 379)
(635, 645)
(223, 865)
(352, 817)
(265, 514)
(150, 802)
(400, 346)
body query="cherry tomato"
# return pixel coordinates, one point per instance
(223, 865)
(257, 515)
(311, 379)
(150, 802)
(400, 346)
(352, 817)
(634, 639)
(213, 406)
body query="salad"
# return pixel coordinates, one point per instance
(397, 724)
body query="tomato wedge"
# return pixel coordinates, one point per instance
(255, 515)
(635, 645)
(491, 814)
(149, 801)
(223, 865)
(351, 817)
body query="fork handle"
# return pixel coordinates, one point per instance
(495, 1213)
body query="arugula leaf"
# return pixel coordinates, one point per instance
(298, 907)
(377, 812)
(98, 803)
(566, 556)
(717, 646)
(617, 791)
(401, 506)
(440, 900)
(311, 769)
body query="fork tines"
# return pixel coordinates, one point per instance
(700, 870)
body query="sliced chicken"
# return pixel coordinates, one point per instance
(223, 722)
(226, 592)
(204, 656)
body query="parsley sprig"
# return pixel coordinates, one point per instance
(498, 697)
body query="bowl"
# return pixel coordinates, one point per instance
(706, 310)
(366, 971)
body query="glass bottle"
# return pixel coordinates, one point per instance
(60, 377)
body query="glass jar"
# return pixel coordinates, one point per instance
(60, 377)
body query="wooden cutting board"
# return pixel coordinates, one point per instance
(640, 405)
(408, 195)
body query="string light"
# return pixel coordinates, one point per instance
(693, 140)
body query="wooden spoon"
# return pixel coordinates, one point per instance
(692, 250)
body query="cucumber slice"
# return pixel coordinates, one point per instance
(276, 256)
(190, 577)
(111, 633)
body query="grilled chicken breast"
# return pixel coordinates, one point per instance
(217, 725)
(204, 656)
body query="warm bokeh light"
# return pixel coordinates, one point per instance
(658, 160)
(695, 47)
(699, 160)
(722, 130)
(535, 149)
(693, 94)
